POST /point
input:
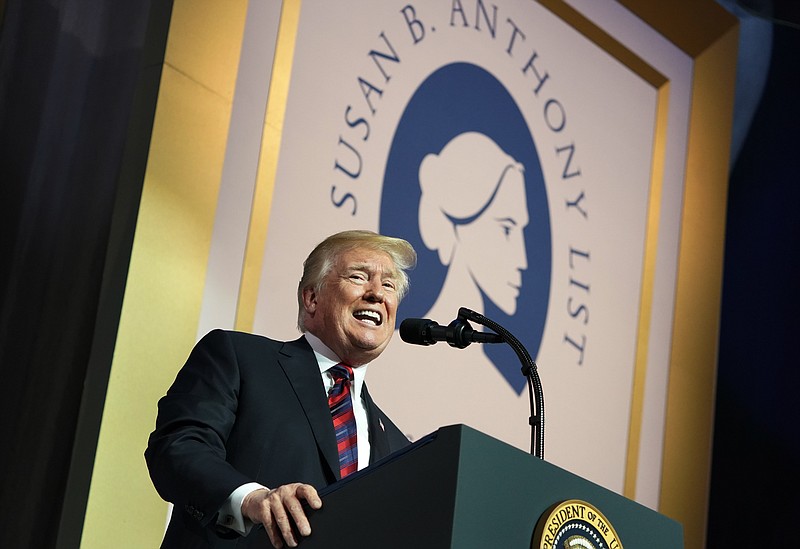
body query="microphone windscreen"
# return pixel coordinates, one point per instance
(412, 330)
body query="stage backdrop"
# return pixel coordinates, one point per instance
(520, 158)
(559, 167)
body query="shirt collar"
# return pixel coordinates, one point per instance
(326, 359)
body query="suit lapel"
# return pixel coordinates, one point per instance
(302, 370)
(378, 440)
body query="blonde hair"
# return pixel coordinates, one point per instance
(322, 259)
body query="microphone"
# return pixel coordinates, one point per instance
(459, 334)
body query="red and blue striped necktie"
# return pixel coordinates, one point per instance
(344, 422)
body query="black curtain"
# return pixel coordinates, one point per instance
(76, 103)
(755, 478)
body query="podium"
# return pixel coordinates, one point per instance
(458, 488)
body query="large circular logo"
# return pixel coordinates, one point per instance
(575, 524)
(464, 185)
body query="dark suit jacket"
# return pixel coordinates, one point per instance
(245, 408)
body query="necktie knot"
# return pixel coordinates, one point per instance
(342, 379)
(340, 372)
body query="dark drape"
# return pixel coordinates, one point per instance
(755, 478)
(72, 94)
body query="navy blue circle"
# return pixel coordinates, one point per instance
(458, 98)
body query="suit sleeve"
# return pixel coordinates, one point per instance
(186, 453)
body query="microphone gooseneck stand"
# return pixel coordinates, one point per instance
(529, 370)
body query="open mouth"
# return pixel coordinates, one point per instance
(372, 318)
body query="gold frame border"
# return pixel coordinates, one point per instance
(168, 263)
(709, 35)
(686, 469)
(267, 165)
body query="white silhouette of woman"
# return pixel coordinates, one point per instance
(472, 211)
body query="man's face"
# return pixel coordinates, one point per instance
(354, 311)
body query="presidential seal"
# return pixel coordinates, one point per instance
(574, 524)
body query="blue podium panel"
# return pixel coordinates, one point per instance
(458, 488)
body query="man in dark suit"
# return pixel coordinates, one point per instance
(245, 433)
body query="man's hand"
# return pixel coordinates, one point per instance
(273, 509)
